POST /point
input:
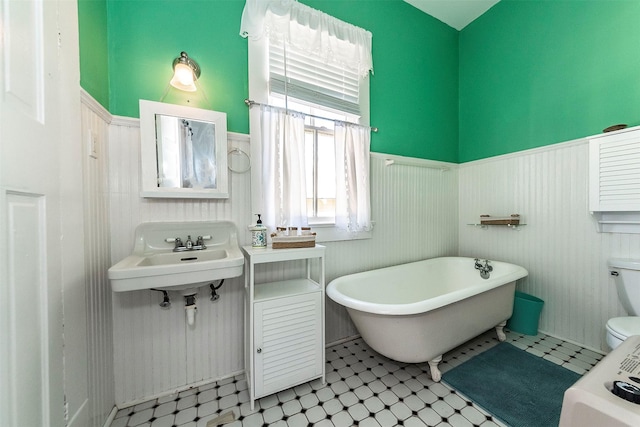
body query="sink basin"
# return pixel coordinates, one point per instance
(154, 265)
(183, 257)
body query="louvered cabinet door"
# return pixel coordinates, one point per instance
(614, 173)
(287, 342)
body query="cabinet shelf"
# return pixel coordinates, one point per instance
(285, 288)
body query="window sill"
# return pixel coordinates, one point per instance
(330, 233)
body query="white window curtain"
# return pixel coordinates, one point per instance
(309, 30)
(281, 132)
(282, 185)
(353, 205)
(277, 135)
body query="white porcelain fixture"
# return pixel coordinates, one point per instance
(418, 311)
(626, 273)
(154, 265)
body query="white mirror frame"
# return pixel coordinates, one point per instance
(148, 151)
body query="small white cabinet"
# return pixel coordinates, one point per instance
(284, 322)
(614, 181)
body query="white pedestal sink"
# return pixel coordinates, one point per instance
(154, 265)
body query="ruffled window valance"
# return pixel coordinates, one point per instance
(309, 30)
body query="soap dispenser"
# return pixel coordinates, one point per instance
(258, 234)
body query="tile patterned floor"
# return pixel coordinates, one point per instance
(363, 388)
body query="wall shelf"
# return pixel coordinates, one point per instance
(617, 222)
(512, 221)
(486, 226)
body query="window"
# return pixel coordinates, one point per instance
(323, 75)
(303, 81)
(320, 154)
(306, 77)
(320, 170)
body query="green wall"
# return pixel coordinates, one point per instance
(94, 70)
(527, 73)
(534, 73)
(144, 38)
(413, 91)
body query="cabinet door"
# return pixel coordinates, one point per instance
(288, 342)
(614, 178)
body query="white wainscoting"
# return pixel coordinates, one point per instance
(415, 210)
(155, 351)
(565, 256)
(95, 125)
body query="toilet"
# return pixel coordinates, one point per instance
(626, 273)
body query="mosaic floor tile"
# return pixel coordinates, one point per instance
(362, 389)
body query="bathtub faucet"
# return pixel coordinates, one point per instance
(485, 269)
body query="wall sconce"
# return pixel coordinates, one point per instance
(185, 73)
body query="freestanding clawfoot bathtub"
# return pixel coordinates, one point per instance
(418, 311)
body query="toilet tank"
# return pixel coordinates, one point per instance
(626, 273)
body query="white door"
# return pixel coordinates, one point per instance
(32, 112)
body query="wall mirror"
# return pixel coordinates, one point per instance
(183, 151)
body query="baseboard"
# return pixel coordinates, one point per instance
(342, 340)
(111, 417)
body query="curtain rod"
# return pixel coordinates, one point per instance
(250, 103)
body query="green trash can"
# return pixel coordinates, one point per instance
(526, 314)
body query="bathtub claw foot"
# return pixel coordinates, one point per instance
(500, 331)
(435, 372)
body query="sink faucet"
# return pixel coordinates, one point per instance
(188, 245)
(485, 269)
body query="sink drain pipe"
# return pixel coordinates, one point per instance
(214, 294)
(190, 308)
(166, 301)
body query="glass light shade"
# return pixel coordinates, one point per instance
(183, 78)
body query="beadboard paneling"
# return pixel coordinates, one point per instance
(415, 210)
(565, 256)
(95, 124)
(418, 212)
(155, 351)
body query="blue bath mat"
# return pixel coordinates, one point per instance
(520, 389)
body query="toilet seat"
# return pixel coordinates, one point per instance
(624, 327)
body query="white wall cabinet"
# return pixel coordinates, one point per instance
(284, 322)
(614, 181)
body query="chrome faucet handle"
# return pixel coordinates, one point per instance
(178, 243)
(200, 242)
(179, 246)
(487, 266)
